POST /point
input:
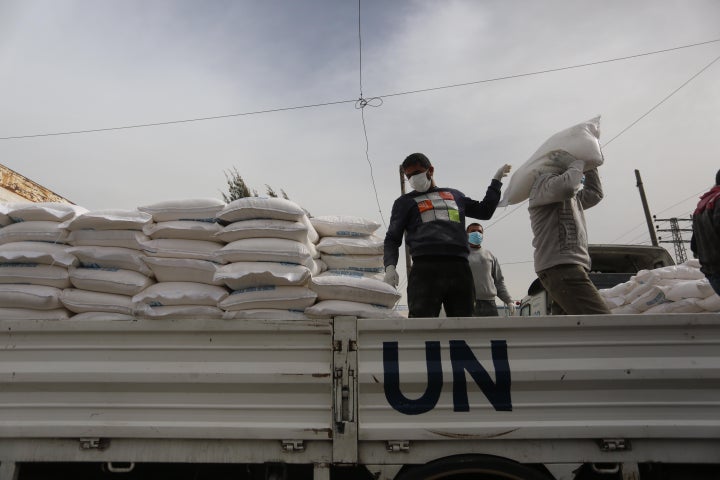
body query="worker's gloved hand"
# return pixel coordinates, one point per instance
(391, 276)
(502, 172)
(510, 308)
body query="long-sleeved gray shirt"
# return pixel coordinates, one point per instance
(488, 278)
(557, 218)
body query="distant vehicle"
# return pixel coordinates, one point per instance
(611, 265)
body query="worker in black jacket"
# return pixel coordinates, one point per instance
(705, 242)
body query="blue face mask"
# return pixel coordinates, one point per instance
(475, 238)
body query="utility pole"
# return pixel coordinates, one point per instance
(646, 209)
(676, 233)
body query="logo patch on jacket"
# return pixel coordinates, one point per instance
(438, 206)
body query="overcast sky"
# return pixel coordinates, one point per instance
(81, 65)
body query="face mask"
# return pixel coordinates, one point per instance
(420, 182)
(475, 238)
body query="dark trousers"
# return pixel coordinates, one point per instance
(572, 291)
(714, 279)
(485, 308)
(439, 281)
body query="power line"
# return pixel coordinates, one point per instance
(337, 102)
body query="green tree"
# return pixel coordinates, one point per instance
(236, 187)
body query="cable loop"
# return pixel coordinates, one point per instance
(361, 102)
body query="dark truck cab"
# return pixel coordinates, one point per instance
(611, 265)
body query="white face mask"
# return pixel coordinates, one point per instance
(420, 182)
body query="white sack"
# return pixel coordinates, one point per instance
(248, 208)
(34, 274)
(109, 220)
(624, 310)
(37, 252)
(109, 280)
(80, 301)
(104, 316)
(180, 293)
(183, 270)
(334, 308)
(108, 238)
(264, 228)
(687, 305)
(653, 296)
(199, 209)
(43, 211)
(313, 235)
(710, 304)
(91, 256)
(178, 248)
(343, 226)
(241, 275)
(33, 231)
(37, 297)
(363, 263)
(354, 288)
(369, 245)
(581, 141)
(266, 250)
(265, 314)
(183, 229)
(29, 314)
(271, 296)
(179, 311)
(689, 289)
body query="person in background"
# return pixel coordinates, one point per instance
(432, 219)
(488, 277)
(705, 241)
(562, 262)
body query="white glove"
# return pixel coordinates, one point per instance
(510, 308)
(391, 276)
(502, 172)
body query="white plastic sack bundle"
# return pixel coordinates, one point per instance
(178, 248)
(687, 305)
(109, 220)
(375, 275)
(179, 311)
(29, 314)
(677, 272)
(265, 314)
(334, 308)
(199, 209)
(683, 289)
(241, 275)
(4, 219)
(104, 316)
(43, 211)
(37, 252)
(264, 228)
(619, 290)
(626, 309)
(354, 288)
(183, 229)
(37, 297)
(265, 250)
(180, 293)
(34, 274)
(109, 280)
(270, 296)
(248, 208)
(33, 231)
(108, 238)
(614, 302)
(709, 304)
(581, 141)
(313, 235)
(80, 301)
(343, 226)
(91, 256)
(369, 245)
(654, 295)
(363, 263)
(183, 270)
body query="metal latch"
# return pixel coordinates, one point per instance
(293, 446)
(614, 444)
(344, 395)
(94, 443)
(398, 446)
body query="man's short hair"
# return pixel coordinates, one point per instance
(475, 224)
(416, 159)
(717, 178)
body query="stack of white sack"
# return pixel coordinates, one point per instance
(674, 289)
(352, 284)
(270, 256)
(181, 253)
(581, 141)
(108, 245)
(34, 260)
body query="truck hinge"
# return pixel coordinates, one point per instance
(614, 444)
(94, 443)
(395, 446)
(344, 394)
(291, 446)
